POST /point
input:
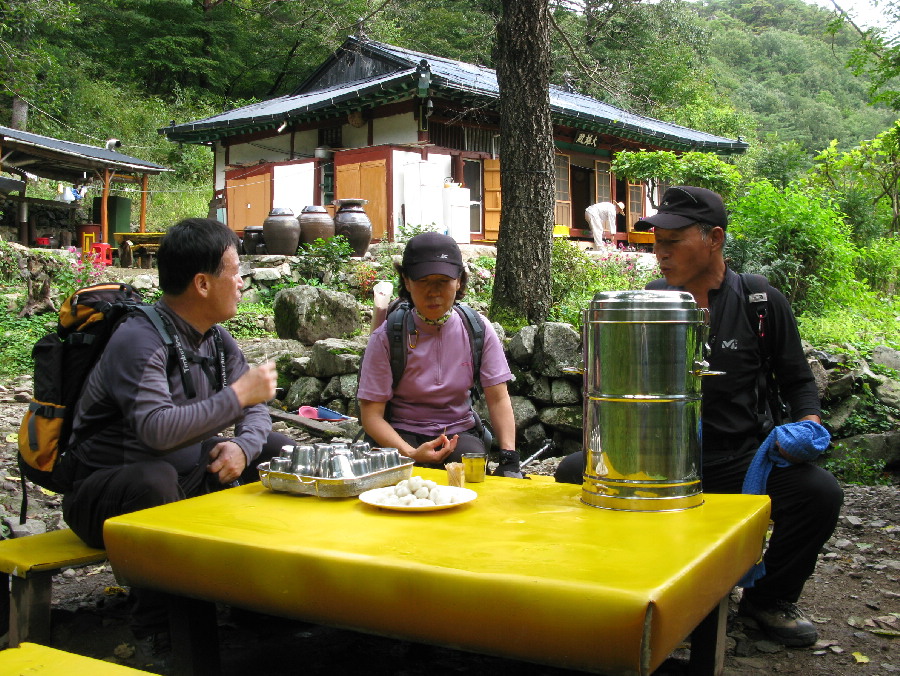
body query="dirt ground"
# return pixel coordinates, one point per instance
(854, 597)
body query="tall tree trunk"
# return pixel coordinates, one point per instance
(19, 117)
(522, 277)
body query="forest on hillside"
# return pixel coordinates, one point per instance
(774, 72)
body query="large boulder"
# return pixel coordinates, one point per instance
(308, 314)
(841, 386)
(259, 350)
(883, 447)
(566, 419)
(521, 345)
(524, 412)
(886, 356)
(541, 390)
(305, 391)
(565, 392)
(840, 413)
(533, 437)
(820, 375)
(334, 357)
(343, 386)
(888, 393)
(557, 350)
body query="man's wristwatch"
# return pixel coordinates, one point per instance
(508, 456)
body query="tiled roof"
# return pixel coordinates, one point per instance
(270, 114)
(64, 160)
(451, 79)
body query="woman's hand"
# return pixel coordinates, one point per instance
(434, 451)
(371, 415)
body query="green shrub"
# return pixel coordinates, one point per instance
(853, 467)
(407, 231)
(9, 266)
(366, 276)
(797, 240)
(17, 337)
(71, 273)
(481, 279)
(322, 260)
(249, 321)
(866, 322)
(576, 277)
(878, 265)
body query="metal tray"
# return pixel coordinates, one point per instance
(286, 482)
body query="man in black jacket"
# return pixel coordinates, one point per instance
(690, 233)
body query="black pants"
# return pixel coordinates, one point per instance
(806, 502)
(96, 496)
(469, 441)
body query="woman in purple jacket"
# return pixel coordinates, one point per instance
(428, 416)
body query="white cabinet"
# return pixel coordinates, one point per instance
(456, 213)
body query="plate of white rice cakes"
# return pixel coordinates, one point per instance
(418, 495)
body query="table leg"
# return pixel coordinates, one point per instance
(126, 255)
(30, 608)
(195, 637)
(708, 643)
(4, 603)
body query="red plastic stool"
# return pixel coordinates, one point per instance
(103, 251)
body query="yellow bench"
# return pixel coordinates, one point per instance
(31, 658)
(32, 561)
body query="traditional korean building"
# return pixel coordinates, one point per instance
(417, 136)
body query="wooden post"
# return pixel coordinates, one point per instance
(23, 220)
(104, 208)
(144, 184)
(30, 606)
(708, 643)
(195, 637)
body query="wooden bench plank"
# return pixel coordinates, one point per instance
(320, 429)
(31, 658)
(27, 566)
(46, 551)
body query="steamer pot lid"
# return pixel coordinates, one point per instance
(644, 305)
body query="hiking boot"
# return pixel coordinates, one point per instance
(153, 653)
(782, 620)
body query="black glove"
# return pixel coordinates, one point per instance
(509, 465)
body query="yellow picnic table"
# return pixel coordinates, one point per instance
(526, 571)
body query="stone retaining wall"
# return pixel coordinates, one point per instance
(546, 393)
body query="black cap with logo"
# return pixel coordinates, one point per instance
(432, 253)
(683, 205)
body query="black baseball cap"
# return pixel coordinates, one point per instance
(432, 253)
(683, 205)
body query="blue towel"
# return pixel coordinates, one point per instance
(804, 441)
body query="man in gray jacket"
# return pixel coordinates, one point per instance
(148, 423)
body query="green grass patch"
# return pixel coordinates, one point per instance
(250, 321)
(17, 337)
(871, 321)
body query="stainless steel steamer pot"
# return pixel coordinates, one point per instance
(642, 370)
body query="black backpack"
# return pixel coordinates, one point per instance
(63, 360)
(401, 326)
(756, 301)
